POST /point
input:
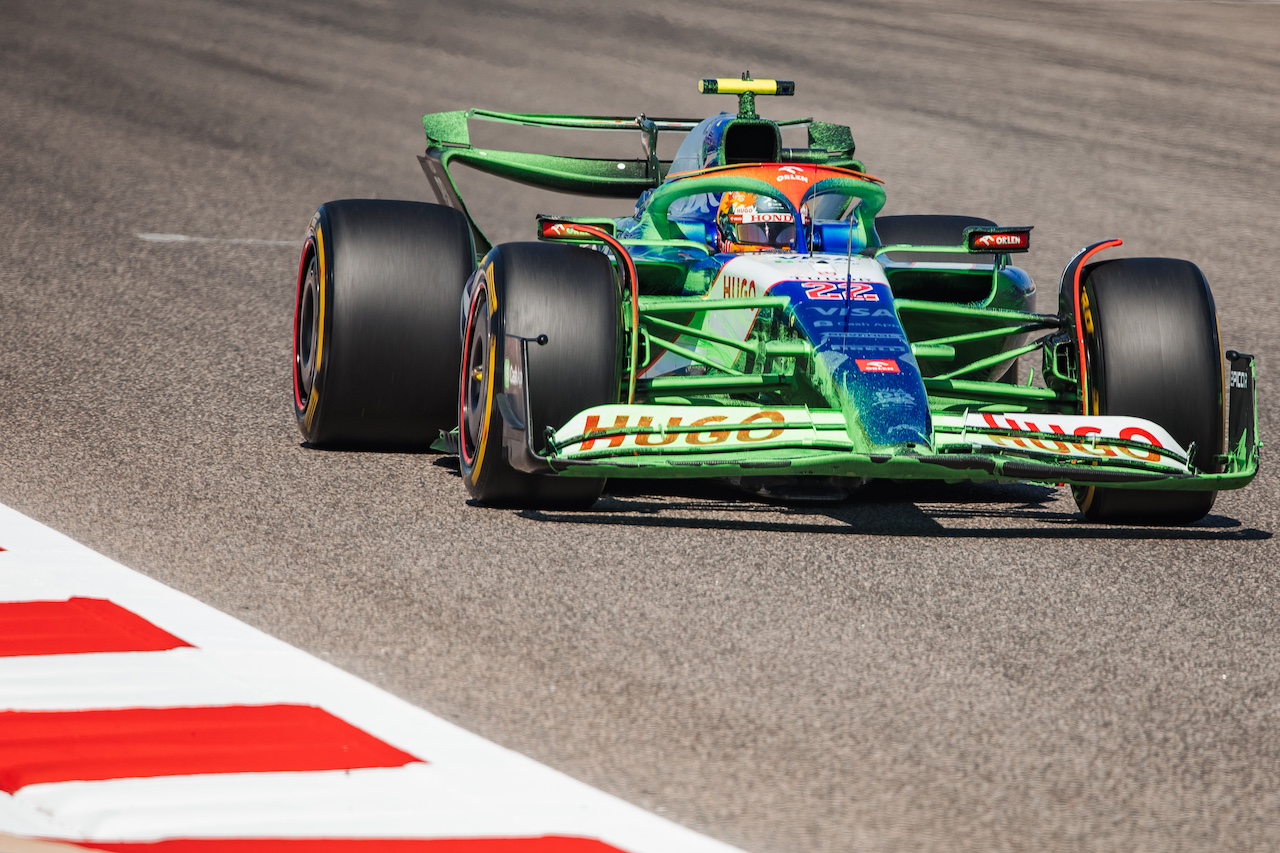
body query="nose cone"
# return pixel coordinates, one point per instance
(882, 398)
(864, 361)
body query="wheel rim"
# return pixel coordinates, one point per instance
(475, 368)
(307, 334)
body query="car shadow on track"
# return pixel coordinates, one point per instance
(971, 511)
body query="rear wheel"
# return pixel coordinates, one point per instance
(375, 337)
(1152, 351)
(1012, 374)
(528, 290)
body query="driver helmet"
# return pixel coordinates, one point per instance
(748, 222)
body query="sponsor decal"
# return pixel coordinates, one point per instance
(593, 427)
(512, 376)
(856, 345)
(817, 273)
(1080, 436)
(877, 365)
(738, 203)
(889, 321)
(737, 287)
(1239, 379)
(792, 173)
(750, 218)
(1015, 241)
(563, 230)
(651, 430)
(899, 397)
(859, 291)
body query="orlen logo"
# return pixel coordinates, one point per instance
(877, 365)
(743, 433)
(792, 173)
(1018, 240)
(561, 229)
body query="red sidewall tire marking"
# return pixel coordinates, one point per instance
(308, 249)
(482, 287)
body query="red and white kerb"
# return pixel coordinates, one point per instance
(134, 718)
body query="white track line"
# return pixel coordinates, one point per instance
(186, 238)
(468, 787)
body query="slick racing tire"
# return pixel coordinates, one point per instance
(1152, 351)
(529, 290)
(1012, 374)
(375, 335)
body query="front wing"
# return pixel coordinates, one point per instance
(663, 441)
(684, 441)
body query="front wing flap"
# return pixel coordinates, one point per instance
(709, 441)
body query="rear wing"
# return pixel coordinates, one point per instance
(449, 142)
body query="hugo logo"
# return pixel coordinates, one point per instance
(647, 435)
(1078, 441)
(736, 287)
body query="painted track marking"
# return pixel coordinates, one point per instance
(187, 238)
(77, 626)
(438, 789)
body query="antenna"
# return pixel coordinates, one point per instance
(848, 269)
(746, 89)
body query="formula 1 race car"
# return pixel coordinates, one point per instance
(757, 320)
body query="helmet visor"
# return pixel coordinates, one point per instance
(776, 230)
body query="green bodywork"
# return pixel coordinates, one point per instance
(449, 143)
(966, 324)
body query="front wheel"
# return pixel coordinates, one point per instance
(567, 298)
(1152, 351)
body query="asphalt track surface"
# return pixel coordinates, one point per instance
(924, 668)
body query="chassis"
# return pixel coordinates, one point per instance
(872, 347)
